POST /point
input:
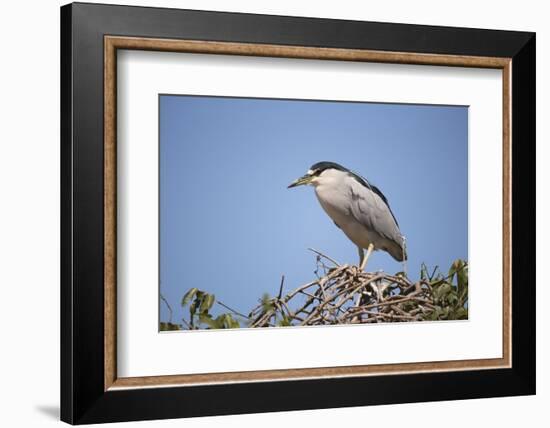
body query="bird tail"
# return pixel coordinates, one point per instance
(398, 250)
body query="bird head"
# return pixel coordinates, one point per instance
(314, 173)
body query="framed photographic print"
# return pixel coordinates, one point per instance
(256, 208)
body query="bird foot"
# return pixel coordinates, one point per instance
(356, 271)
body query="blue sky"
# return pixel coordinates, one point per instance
(230, 226)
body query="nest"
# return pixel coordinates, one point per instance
(346, 295)
(342, 294)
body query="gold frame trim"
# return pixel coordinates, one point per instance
(112, 43)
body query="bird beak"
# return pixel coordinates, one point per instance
(306, 179)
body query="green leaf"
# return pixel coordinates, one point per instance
(442, 291)
(168, 326)
(206, 303)
(435, 314)
(193, 307)
(461, 314)
(188, 296)
(462, 279)
(452, 271)
(207, 319)
(232, 322)
(266, 302)
(284, 321)
(452, 298)
(220, 320)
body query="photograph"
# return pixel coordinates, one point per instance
(264, 211)
(295, 212)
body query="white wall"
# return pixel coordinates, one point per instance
(29, 213)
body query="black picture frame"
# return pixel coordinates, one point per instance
(83, 398)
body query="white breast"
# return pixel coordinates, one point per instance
(333, 194)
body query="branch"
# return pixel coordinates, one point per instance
(325, 256)
(168, 306)
(231, 309)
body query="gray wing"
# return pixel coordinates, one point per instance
(373, 212)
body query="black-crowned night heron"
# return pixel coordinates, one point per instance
(358, 208)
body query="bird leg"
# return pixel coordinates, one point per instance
(366, 258)
(361, 255)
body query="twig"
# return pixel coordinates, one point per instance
(231, 309)
(281, 287)
(168, 306)
(325, 256)
(189, 326)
